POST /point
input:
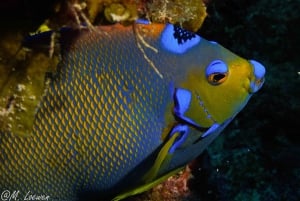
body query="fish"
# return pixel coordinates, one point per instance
(128, 107)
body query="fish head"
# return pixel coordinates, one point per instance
(220, 85)
(210, 85)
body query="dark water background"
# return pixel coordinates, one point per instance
(258, 156)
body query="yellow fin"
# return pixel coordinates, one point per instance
(150, 178)
(161, 157)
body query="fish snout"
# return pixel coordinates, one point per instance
(259, 76)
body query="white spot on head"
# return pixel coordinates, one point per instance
(178, 40)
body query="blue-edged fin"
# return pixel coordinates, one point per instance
(183, 131)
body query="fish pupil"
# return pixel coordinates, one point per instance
(182, 35)
(218, 77)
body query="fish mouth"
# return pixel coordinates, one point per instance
(259, 76)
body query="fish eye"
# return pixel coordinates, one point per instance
(216, 72)
(217, 78)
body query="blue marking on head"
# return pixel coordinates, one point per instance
(211, 130)
(259, 73)
(217, 66)
(178, 40)
(182, 99)
(259, 69)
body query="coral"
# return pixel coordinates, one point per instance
(117, 12)
(174, 188)
(188, 14)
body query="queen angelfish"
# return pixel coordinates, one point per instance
(128, 107)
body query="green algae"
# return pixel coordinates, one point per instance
(22, 84)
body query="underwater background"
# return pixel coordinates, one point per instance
(257, 157)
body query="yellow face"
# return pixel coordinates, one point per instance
(219, 90)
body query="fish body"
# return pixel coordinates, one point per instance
(127, 106)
